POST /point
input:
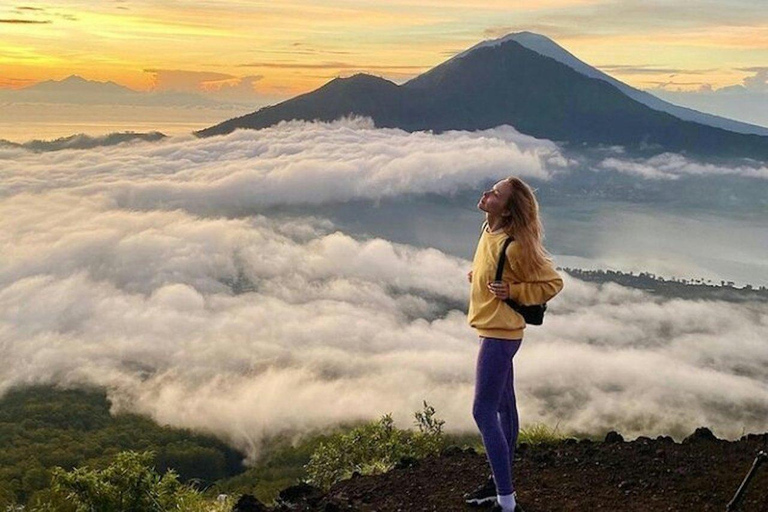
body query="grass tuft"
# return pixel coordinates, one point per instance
(540, 434)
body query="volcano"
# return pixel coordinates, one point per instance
(526, 81)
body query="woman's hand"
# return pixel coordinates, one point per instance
(500, 289)
(469, 276)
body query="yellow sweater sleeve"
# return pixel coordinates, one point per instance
(487, 314)
(537, 289)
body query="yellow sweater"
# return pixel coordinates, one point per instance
(491, 317)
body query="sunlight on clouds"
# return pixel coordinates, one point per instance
(749, 37)
(28, 55)
(715, 37)
(494, 5)
(121, 26)
(91, 39)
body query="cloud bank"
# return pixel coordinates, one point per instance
(294, 163)
(672, 166)
(247, 326)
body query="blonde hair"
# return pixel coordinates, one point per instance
(524, 224)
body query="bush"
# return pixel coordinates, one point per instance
(128, 484)
(374, 447)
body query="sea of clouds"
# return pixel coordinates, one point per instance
(157, 271)
(673, 166)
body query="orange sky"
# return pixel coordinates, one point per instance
(288, 47)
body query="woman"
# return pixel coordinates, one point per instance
(511, 210)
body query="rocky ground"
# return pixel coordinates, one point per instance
(701, 473)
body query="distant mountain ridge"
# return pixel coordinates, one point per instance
(80, 91)
(505, 82)
(82, 141)
(76, 83)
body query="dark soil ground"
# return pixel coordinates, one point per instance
(701, 473)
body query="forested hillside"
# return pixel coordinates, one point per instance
(42, 427)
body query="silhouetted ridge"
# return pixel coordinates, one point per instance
(83, 141)
(360, 94)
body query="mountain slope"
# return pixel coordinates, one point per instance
(548, 48)
(360, 94)
(507, 83)
(510, 84)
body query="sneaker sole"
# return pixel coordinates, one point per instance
(480, 501)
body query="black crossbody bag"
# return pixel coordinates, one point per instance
(533, 315)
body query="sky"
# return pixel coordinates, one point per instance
(185, 65)
(282, 48)
(161, 272)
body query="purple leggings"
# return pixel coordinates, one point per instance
(495, 409)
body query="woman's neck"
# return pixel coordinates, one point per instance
(494, 222)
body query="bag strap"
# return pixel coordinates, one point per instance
(502, 258)
(500, 268)
(500, 271)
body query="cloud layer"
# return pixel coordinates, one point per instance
(295, 163)
(251, 325)
(672, 166)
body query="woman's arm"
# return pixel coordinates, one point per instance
(541, 288)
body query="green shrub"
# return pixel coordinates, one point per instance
(374, 447)
(128, 484)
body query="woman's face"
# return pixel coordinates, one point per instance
(494, 200)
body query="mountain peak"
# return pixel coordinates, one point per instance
(358, 81)
(524, 38)
(524, 35)
(362, 78)
(75, 79)
(529, 36)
